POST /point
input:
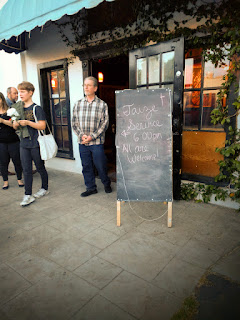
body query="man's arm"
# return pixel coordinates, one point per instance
(75, 121)
(103, 123)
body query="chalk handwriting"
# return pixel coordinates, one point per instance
(148, 111)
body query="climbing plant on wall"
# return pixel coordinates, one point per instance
(211, 25)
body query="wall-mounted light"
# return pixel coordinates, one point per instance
(54, 83)
(100, 77)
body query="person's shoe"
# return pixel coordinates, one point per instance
(108, 189)
(11, 173)
(5, 187)
(88, 193)
(27, 199)
(42, 192)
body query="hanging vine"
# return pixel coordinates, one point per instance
(213, 26)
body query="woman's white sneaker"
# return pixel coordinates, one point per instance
(42, 192)
(27, 199)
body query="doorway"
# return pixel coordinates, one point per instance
(56, 104)
(115, 77)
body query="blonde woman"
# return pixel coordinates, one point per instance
(9, 146)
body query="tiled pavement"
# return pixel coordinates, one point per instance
(63, 257)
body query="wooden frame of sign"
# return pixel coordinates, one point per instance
(169, 219)
(144, 147)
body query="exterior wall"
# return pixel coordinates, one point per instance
(10, 70)
(47, 46)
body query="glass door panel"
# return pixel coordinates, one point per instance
(191, 103)
(60, 113)
(167, 69)
(154, 68)
(141, 71)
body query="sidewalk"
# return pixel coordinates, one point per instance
(63, 257)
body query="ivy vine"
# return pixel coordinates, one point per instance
(216, 30)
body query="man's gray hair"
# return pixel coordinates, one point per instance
(9, 89)
(95, 82)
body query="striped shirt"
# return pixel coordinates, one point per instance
(91, 119)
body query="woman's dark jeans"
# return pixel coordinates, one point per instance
(27, 155)
(89, 155)
(10, 151)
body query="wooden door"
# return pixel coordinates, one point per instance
(161, 66)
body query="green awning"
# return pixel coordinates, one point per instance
(17, 16)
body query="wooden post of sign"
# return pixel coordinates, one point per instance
(118, 213)
(169, 214)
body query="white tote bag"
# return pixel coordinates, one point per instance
(47, 143)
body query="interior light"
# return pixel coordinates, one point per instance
(54, 83)
(100, 77)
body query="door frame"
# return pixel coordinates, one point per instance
(176, 45)
(46, 67)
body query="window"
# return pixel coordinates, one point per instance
(201, 85)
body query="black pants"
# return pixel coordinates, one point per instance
(27, 156)
(10, 151)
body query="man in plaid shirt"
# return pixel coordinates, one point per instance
(90, 122)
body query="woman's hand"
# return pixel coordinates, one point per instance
(15, 125)
(23, 123)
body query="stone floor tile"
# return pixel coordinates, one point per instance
(140, 298)
(229, 265)
(32, 266)
(101, 309)
(140, 254)
(98, 272)
(11, 283)
(30, 220)
(67, 251)
(103, 215)
(3, 316)
(179, 277)
(178, 234)
(129, 220)
(198, 253)
(57, 298)
(8, 230)
(74, 224)
(27, 239)
(100, 238)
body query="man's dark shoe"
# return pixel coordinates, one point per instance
(108, 189)
(88, 193)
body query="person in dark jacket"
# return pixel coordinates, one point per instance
(9, 146)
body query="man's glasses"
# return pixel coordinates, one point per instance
(88, 85)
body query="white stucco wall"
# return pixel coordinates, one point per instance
(47, 46)
(10, 71)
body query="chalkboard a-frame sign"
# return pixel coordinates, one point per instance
(144, 145)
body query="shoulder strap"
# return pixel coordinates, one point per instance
(35, 117)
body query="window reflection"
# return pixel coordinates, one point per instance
(213, 77)
(168, 66)
(191, 103)
(61, 83)
(154, 68)
(54, 84)
(209, 103)
(141, 71)
(199, 103)
(193, 73)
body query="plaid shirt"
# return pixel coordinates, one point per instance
(90, 118)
